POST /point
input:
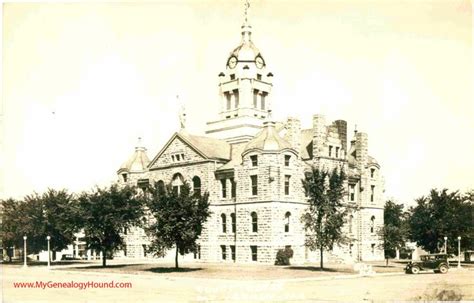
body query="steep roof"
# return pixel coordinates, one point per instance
(210, 147)
(268, 139)
(138, 162)
(236, 157)
(207, 147)
(306, 143)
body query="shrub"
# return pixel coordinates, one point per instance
(283, 256)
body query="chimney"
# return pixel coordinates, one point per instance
(361, 146)
(319, 135)
(342, 131)
(293, 133)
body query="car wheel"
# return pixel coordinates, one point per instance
(443, 269)
(415, 270)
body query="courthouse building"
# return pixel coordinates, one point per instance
(252, 167)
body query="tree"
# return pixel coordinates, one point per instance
(326, 213)
(10, 225)
(179, 216)
(443, 214)
(105, 213)
(38, 216)
(394, 233)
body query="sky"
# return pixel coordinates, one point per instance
(82, 81)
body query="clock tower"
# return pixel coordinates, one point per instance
(244, 88)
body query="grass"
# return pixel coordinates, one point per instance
(222, 270)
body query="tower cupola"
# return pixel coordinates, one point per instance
(244, 89)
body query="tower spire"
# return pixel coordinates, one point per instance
(247, 6)
(246, 28)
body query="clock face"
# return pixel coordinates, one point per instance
(259, 62)
(232, 62)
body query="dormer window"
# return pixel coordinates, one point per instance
(372, 172)
(254, 160)
(287, 160)
(124, 177)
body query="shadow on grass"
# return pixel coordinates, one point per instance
(110, 266)
(319, 269)
(164, 270)
(41, 263)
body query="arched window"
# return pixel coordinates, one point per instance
(161, 186)
(351, 220)
(254, 222)
(224, 223)
(177, 182)
(197, 185)
(372, 224)
(232, 218)
(287, 221)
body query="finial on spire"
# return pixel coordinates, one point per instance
(182, 114)
(247, 6)
(139, 145)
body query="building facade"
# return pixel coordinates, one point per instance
(252, 167)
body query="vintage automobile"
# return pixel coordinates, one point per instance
(436, 262)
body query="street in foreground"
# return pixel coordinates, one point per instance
(454, 285)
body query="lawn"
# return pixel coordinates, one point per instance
(222, 270)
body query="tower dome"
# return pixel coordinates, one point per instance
(267, 140)
(246, 51)
(138, 162)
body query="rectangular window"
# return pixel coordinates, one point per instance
(253, 249)
(232, 252)
(351, 192)
(234, 223)
(287, 185)
(224, 254)
(227, 96)
(350, 248)
(224, 188)
(143, 184)
(254, 160)
(233, 189)
(197, 253)
(255, 98)
(232, 76)
(236, 97)
(262, 100)
(124, 176)
(372, 172)
(330, 150)
(372, 190)
(259, 77)
(337, 152)
(254, 185)
(287, 160)
(373, 249)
